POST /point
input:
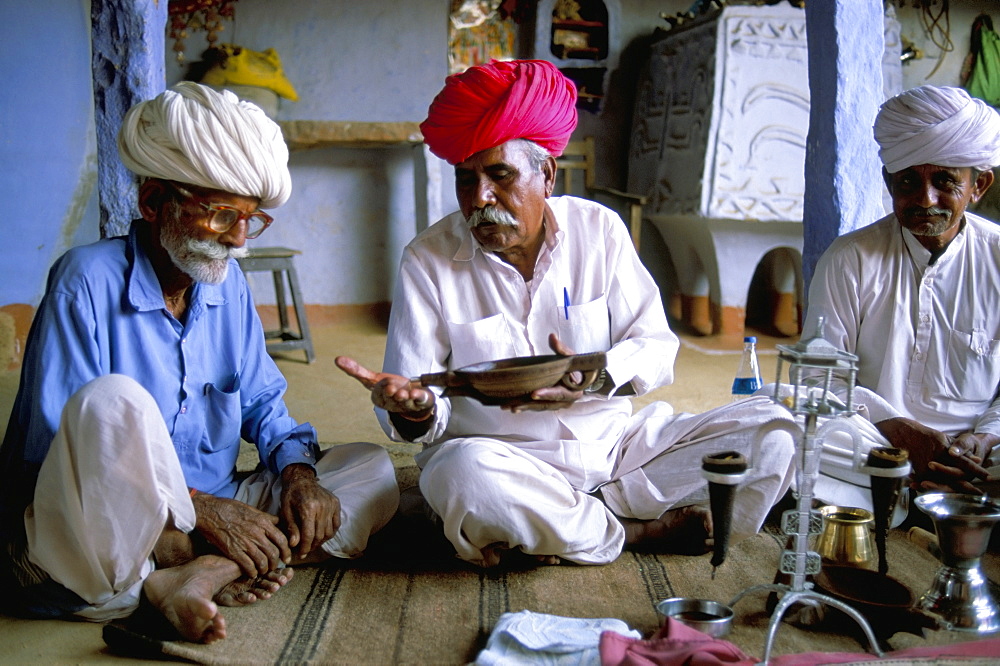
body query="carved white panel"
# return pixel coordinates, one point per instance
(721, 117)
(755, 166)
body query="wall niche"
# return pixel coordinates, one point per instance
(580, 37)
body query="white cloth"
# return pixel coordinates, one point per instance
(111, 479)
(194, 134)
(104, 494)
(938, 125)
(523, 480)
(534, 639)
(927, 336)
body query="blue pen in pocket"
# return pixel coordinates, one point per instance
(566, 303)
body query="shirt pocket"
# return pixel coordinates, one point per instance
(971, 367)
(478, 341)
(586, 327)
(223, 414)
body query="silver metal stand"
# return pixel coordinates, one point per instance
(800, 523)
(818, 361)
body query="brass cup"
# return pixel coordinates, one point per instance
(847, 537)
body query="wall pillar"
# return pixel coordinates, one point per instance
(127, 57)
(843, 188)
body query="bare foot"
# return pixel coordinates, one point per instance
(551, 560)
(686, 531)
(515, 558)
(245, 591)
(184, 594)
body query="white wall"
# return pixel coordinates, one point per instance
(351, 210)
(949, 64)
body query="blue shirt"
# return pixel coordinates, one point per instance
(103, 312)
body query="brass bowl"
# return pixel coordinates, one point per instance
(517, 377)
(707, 616)
(847, 537)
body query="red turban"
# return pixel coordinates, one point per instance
(488, 105)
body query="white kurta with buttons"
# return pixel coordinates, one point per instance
(927, 334)
(456, 305)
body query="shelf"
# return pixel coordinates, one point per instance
(577, 25)
(304, 134)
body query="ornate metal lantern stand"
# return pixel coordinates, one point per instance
(818, 362)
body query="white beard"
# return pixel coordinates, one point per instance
(203, 260)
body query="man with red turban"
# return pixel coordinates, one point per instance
(561, 474)
(492, 104)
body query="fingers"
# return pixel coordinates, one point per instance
(545, 399)
(958, 485)
(960, 468)
(356, 370)
(398, 394)
(312, 516)
(268, 553)
(281, 552)
(247, 565)
(558, 347)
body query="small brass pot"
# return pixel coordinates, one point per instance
(847, 537)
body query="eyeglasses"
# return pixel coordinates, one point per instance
(222, 218)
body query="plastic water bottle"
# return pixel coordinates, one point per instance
(747, 379)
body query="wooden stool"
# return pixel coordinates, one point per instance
(278, 260)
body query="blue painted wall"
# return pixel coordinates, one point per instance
(47, 145)
(351, 209)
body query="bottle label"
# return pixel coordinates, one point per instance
(745, 385)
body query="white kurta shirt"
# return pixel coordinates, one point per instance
(927, 335)
(456, 304)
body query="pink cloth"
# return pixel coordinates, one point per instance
(674, 644)
(678, 645)
(488, 105)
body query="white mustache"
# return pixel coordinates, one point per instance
(932, 212)
(491, 215)
(214, 250)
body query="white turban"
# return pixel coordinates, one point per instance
(193, 134)
(937, 125)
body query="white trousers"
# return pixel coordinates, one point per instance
(111, 481)
(491, 495)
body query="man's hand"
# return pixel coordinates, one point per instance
(552, 397)
(392, 393)
(939, 462)
(249, 537)
(309, 512)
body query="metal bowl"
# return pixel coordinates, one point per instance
(707, 616)
(517, 377)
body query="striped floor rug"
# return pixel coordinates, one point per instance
(410, 602)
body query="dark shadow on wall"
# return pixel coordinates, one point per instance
(614, 138)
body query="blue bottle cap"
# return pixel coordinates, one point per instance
(750, 338)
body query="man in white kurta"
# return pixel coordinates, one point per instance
(916, 296)
(519, 273)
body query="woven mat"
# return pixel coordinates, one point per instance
(409, 601)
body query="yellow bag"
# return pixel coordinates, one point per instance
(244, 67)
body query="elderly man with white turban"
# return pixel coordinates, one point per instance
(144, 369)
(916, 296)
(564, 474)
